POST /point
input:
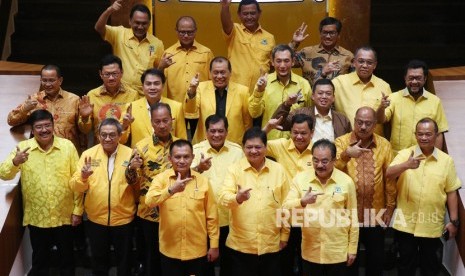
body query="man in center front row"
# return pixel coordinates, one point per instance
(188, 215)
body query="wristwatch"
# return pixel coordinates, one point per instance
(455, 222)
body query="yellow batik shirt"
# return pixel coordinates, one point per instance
(48, 200)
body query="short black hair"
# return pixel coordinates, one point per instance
(252, 133)
(153, 72)
(111, 122)
(51, 67)
(330, 21)
(111, 59)
(427, 120)
(39, 115)
(323, 144)
(323, 82)
(302, 118)
(180, 143)
(215, 118)
(221, 59)
(160, 105)
(282, 48)
(248, 2)
(415, 64)
(140, 8)
(366, 48)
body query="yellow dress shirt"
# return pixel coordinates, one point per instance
(286, 154)
(187, 63)
(142, 125)
(236, 110)
(330, 231)
(109, 201)
(422, 193)
(48, 201)
(65, 110)
(187, 218)
(248, 53)
(351, 93)
(253, 226)
(106, 106)
(404, 113)
(265, 103)
(228, 154)
(156, 160)
(368, 171)
(137, 56)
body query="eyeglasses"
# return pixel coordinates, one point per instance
(188, 33)
(417, 78)
(42, 127)
(331, 34)
(45, 81)
(111, 136)
(112, 74)
(364, 61)
(366, 123)
(324, 162)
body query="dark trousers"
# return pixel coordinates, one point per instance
(411, 248)
(243, 264)
(373, 240)
(311, 269)
(177, 267)
(151, 246)
(42, 239)
(292, 253)
(101, 237)
(224, 258)
(192, 126)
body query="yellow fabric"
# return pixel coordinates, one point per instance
(326, 244)
(187, 63)
(374, 191)
(236, 110)
(228, 154)
(106, 106)
(142, 126)
(351, 93)
(136, 56)
(248, 53)
(155, 161)
(404, 113)
(48, 200)
(65, 110)
(285, 153)
(186, 218)
(422, 193)
(253, 227)
(265, 103)
(108, 202)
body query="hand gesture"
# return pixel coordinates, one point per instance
(21, 156)
(242, 194)
(225, 3)
(166, 61)
(274, 123)
(350, 259)
(385, 102)
(204, 164)
(330, 67)
(193, 86)
(136, 161)
(309, 197)
(356, 151)
(30, 103)
(294, 98)
(180, 184)
(414, 162)
(86, 170)
(85, 107)
(116, 6)
(262, 80)
(127, 118)
(299, 34)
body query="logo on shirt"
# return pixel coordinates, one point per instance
(264, 42)
(337, 190)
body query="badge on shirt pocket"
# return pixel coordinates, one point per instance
(264, 42)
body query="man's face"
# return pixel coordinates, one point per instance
(283, 62)
(139, 24)
(111, 75)
(186, 32)
(181, 159)
(109, 138)
(323, 162)
(426, 136)
(329, 36)
(162, 123)
(365, 64)
(220, 74)
(301, 135)
(323, 96)
(249, 16)
(216, 135)
(255, 151)
(43, 132)
(415, 81)
(364, 124)
(153, 87)
(50, 82)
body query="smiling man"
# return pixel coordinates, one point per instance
(138, 49)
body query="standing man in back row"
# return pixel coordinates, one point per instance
(249, 45)
(137, 49)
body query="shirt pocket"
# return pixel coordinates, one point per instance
(174, 202)
(196, 199)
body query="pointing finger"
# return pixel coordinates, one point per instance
(17, 149)
(280, 119)
(197, 75)
(209, 158)
(248, 190)
(26, 149)
(202, 156)
(129, 109)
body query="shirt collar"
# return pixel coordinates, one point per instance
(323, 50)
(245, 165)
(330, 114)
(259, 29)
(405, 93)
(60, 94)
(353, 140)
(104, 91)
(156, 140)
(35, 145)
(354, 79)
(225, 147)
(274, 78)
(314, 179)
(180, 48)
(419, 153)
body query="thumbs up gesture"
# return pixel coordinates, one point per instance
(191, 92)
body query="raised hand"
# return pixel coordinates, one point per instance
(166, 61)
(330, 67)
(300, 35)
(21, 156)
(385, 102)
(180, 184)
(356, 150)
(30, 103)
(191, 92)
(128, 118)
(262, 80)
(85, 107)
(225, 3)
(116, 6)
(242, 194)
(274, 123)
(293, 98)
(309, 197)
(86, 170)
(413, 162)
(204, 164)
(136, 161)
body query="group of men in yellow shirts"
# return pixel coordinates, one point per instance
(221, 197)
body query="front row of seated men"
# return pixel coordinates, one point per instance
(330, 197)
